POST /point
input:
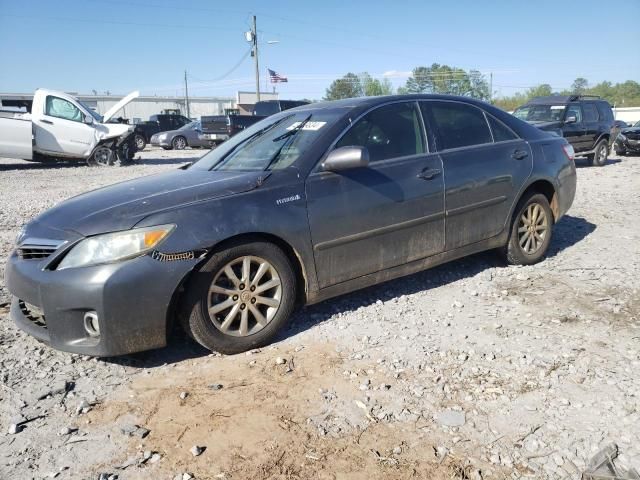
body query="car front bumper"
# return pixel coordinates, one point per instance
(131, 299)
(627, 145)
(165, 142)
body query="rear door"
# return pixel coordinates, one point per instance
(370, 219)
(591, 124)
(484, 169)
(575, 132)
(61, 129)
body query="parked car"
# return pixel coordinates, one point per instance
(628, 140)
(265, 108)
(305, 205)
(219, 128)
(61, 127)
(158, 124)
(188, 136)
(585, 121)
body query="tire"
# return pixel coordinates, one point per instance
(211, 288)
(140, 142)
(599, 157)
(515, 251)
(179, 143)
(102, 156)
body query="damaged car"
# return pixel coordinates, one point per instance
(305, 205)
(60, 127)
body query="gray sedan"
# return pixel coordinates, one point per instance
(305, 205)
(188, 136)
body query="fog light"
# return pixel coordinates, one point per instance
(91, 324)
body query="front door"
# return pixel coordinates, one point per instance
(369, 219)
(575, 132)
(485, 166)
(61, 129)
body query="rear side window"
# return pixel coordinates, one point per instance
(501, 133)
(590, 112)
(459, 125)
(605, 111)
(390, 131)
(60, 108)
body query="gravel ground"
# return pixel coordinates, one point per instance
(469, 370)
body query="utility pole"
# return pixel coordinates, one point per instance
(254, 53)
(186, 95)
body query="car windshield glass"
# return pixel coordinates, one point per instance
(274, 143)
(637, 124)
(96, 116)
(540, 113)
(190, 126)
(266, 108)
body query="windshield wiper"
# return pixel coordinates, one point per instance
(288, 135)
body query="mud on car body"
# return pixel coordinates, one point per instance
(305, 205)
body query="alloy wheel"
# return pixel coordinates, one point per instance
(102, 156)
(533, 228)
(244, 296)
(601, 154)
(179, 143)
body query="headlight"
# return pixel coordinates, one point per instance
(162, 136)
(112, 247)
(21, 234)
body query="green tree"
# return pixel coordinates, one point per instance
(447, 80)
(346, 87)
(372, 87)
(579, 86)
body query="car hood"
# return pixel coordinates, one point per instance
(123, 205)
(113, 110)
(630, 130)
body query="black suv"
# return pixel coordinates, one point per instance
(585, 121)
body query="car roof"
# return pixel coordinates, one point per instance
(561, 99)
(373, 101)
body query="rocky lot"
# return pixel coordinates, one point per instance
(471, 370)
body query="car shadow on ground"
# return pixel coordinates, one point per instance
(27, 165)
(568, 232)
(586, 163)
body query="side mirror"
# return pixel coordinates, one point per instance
(346, 158)
(571, 119)
(88, 119)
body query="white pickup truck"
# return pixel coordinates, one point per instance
(61, 127)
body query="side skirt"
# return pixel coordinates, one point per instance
(405, 269)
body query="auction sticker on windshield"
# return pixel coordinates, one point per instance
(308, 125)
(557, 107)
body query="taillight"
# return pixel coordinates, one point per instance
(569, 151)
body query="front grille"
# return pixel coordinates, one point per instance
(33, 314)
(35, 252)
(37, 248)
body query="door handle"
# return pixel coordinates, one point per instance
(519, 154)
(47, 121)
(429, 173)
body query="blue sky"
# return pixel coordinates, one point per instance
(124, 45)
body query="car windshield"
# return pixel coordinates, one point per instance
(96, 116)
(637, 124)
(271, 144)
(191, 126)
(540, 113)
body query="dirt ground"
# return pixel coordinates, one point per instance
(471, 370)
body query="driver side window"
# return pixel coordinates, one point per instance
(390, 131)
(60, 108)
(575, 111)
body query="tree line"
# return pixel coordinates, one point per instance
(445, 79)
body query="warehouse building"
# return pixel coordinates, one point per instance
(143, 107)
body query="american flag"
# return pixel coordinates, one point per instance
(275, 77)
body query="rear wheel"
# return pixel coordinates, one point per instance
(241, 298)
(179, 143)
(140, 142)
(530, 233)
(599, 157)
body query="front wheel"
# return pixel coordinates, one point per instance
(240, 299)
(101, 157)
(140, 142)
(530, 233)
(599, 156)
(179, 143)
